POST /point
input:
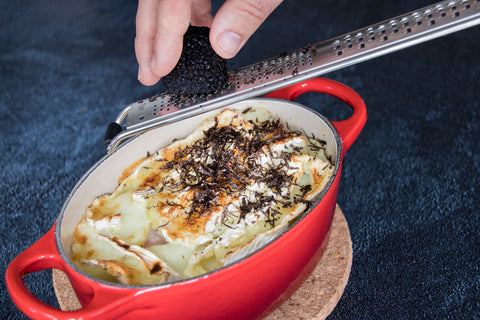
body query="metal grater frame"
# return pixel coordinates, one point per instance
(390, 35)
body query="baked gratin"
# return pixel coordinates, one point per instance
(202, 202)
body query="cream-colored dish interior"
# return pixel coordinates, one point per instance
(103, 178)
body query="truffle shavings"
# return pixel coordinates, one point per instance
(234, 184)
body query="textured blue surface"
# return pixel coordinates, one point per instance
(410, 188)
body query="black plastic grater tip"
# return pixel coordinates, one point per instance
(112, 130)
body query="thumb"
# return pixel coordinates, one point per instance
(236, 21)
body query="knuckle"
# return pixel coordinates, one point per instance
(255, 8)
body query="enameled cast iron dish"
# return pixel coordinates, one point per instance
(248, 289)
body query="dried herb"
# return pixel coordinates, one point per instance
(225, 162)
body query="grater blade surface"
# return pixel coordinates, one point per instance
(390, 35)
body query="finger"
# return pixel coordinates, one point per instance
(173, 18)
(146, 25)
(236, 21)
(201, 13)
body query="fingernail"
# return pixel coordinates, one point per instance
(153, 63)
(230, 42)
(139, 74)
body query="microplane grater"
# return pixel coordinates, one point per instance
(261, 78)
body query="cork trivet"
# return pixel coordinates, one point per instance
(315, 299)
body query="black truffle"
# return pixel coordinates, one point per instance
(200, 70)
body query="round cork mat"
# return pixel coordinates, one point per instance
(315, 299)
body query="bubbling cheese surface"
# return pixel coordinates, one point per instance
(205, 201)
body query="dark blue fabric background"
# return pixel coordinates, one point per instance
(410, 188)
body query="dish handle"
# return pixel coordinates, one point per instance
(348, 129)
(43, 255)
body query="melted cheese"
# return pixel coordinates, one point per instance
(202, 202)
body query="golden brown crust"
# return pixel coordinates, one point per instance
(203, 201)
(129, 170)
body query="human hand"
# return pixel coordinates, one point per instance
(161, 24)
